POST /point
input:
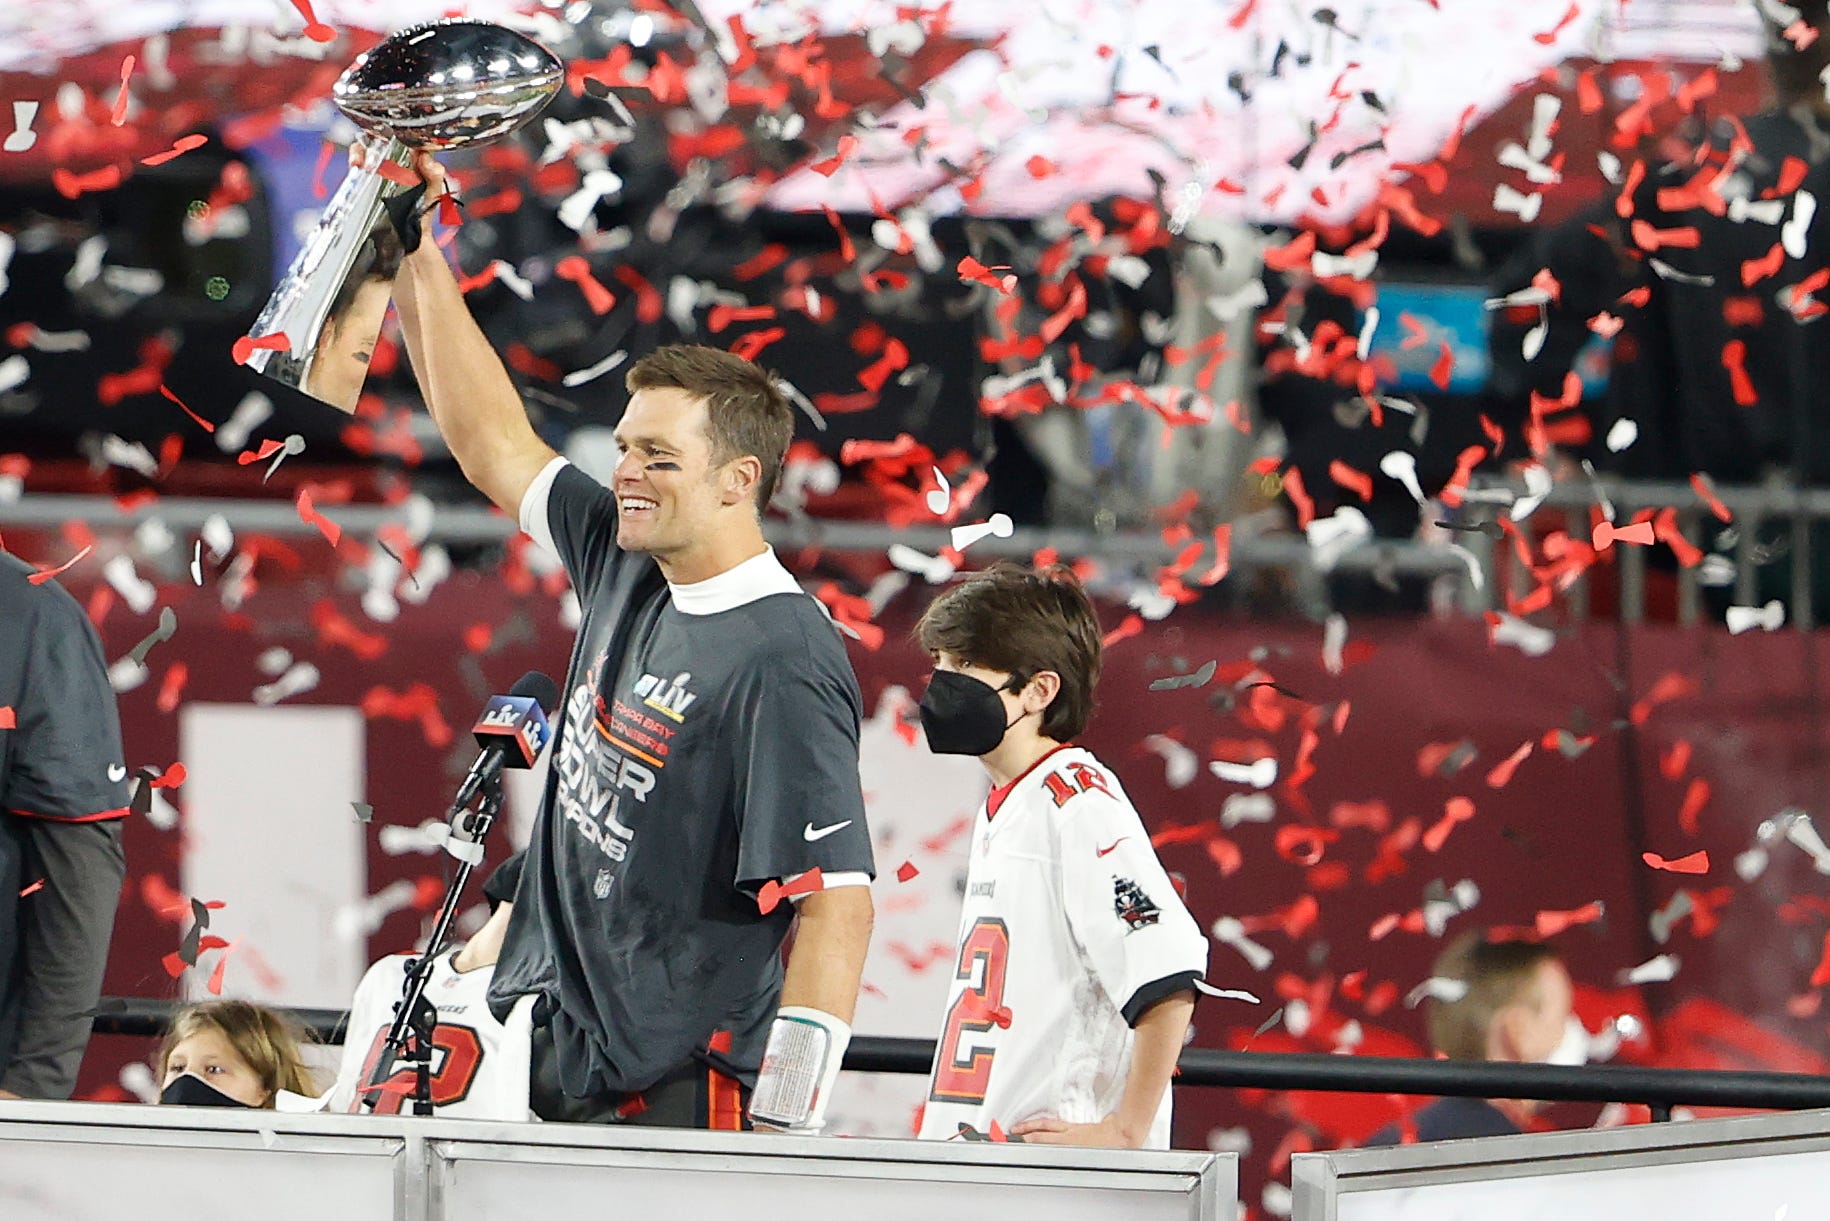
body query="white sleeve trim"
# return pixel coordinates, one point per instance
(533, 515)
(833, 881)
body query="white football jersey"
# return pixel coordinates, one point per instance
(1069, 932)
(479, 1065)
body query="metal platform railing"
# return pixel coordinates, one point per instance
(1659, 1088)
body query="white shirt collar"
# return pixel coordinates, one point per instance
(757, 577)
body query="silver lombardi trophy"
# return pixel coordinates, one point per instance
(436, 86)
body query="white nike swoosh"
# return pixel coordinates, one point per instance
(821, 833)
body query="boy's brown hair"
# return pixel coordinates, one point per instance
(746, 412)
(266, 1040)
(1023, 622)
(1498, 974)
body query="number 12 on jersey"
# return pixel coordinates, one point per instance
(962, 1069)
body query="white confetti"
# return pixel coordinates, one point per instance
(933, 569)
(1621, 436)
(1000, 525)
(300, 678)
(1226, 994)
(1228, 930)
(579, 377)
(1247, 807)
(1768, 618)
(1334, 643)
(22, 137)
(1653, 971)
(1402, 466)
(1261, 774)
(940, 498)
(1436, 988)
(1797, 230)
(1180, 764)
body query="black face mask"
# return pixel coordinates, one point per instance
(962, 715)
(190, 1090)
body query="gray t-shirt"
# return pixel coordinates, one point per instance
(697, 757)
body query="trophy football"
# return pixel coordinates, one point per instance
(437, 86)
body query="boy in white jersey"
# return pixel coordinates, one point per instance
(480, 1066)
(1073, 987)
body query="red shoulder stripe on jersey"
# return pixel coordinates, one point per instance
(998, 794)
(102, 816)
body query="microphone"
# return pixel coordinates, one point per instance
(512, 732)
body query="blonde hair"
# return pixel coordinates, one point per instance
(266, 1040)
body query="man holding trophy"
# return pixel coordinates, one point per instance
(706, 767)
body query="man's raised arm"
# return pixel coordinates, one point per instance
(466, 387)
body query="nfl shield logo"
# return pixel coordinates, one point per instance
(602, 886)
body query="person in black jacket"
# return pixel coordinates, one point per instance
(63, 793)
(1505, 1001)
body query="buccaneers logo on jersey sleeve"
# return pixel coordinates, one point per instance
(1132, 905)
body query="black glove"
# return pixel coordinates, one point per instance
(403, 212)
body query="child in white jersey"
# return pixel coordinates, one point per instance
(479, 1065)
(1074, 983)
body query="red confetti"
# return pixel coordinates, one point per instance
(119, 117)
(248, 345)
(1734, 359)
(8, 718)
(1457, 810)
(1551, 35)
(1821, 975)
(315, 30)
(1357, 482)
(1695, 798)
(1132, 625)
(971, 270)
(907, 872)
(268, 448)
(181, 146)
(1039, 166)
(72, 185)
(308, 514)
(1501, 775)
(1706, 490)
(33, 889)
(1444, 368)
(201, 422)
(174, 776)
(774, 892)
(1299, 497)
(1550, 923)
(576, 269)
(1639, 533)
(172, 686)
(1696, 862)
(1755, 270)
(48, 574)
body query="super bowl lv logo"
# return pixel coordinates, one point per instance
(671, 700)
(594, 777)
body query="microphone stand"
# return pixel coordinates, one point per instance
(409, 1039)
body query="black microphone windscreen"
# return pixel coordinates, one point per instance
(538, 687)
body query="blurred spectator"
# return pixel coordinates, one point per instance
(1717, 366)
(1506, 1001)
(232, 1054)
(63, 792)
(480, 1066)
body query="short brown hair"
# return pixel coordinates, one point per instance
(1497, 974)
(267, 1041)
(747, 413)
(1023, 622)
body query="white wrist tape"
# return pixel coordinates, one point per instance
(799, 1068)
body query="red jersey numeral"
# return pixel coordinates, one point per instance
(962, 1070)
(1085, 779)
(457, 1055)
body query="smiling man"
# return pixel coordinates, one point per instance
(707, 756)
